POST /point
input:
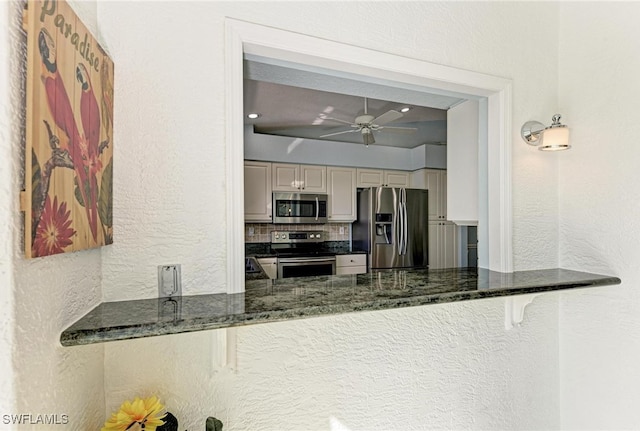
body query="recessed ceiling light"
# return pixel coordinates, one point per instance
(253, 116)
(405, 109)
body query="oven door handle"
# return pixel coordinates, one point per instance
(306, 259)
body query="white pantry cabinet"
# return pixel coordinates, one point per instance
(380, 177)
(341, 188)
(463, 141)
(434, 180)
(287, 177)
(257, 192)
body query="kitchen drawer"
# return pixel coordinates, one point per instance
(351, 260)
(346, 270)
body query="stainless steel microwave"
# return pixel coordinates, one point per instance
(308, 208)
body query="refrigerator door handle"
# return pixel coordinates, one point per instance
(406, 222)
(398, 226)
(402, 229)
(406, 229)
(402, 222)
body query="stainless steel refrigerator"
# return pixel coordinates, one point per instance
(392, 227)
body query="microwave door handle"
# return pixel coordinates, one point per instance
(317, 208)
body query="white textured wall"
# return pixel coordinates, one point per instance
(170, 114)
(444, 367)
(7, 201)
(599, 213)
(45, 295)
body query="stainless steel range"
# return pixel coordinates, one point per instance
(302, 254)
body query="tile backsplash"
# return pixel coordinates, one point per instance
(261, 232)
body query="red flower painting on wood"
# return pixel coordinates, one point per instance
(69, 154)
(54, 231)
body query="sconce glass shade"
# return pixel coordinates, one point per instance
(555, 139)
(552, 138)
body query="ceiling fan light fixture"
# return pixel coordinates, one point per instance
(367, 136)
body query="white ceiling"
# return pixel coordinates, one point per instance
(294, 102)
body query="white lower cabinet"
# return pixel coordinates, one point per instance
(270, 266)
(351, 264)
(443, 245)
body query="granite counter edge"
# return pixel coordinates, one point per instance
(70, 337)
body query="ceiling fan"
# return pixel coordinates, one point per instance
(367, 124)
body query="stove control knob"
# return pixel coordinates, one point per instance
(318, 236)
(312, 236)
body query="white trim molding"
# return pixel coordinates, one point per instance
(307, 51)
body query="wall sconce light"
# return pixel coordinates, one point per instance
(552, 138)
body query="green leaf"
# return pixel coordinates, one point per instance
(77, 192)
(36, 181)
(213, 424)
(105, 200)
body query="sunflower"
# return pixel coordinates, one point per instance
(141, 414)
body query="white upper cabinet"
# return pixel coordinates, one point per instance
(370, 177)
(314, 178)
(379, 177)
(287, 177)
(257, 192)
(396, 179)
(341, 188)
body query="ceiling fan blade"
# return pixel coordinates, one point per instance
(387, 117)
(337, 119)
(338, 133)
(398, 129)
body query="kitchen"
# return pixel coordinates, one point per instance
(285, 159)
(569, 365)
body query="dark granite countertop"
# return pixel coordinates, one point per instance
(294, 298)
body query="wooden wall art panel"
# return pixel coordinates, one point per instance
(69, 149)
